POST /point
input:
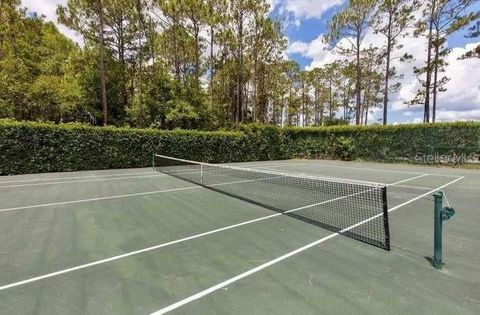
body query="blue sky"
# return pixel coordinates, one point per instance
(305, 21)
(304, 24)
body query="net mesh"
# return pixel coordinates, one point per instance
(352, 208)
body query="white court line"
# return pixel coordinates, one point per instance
(372, 169)
(97, 199)
(107, 175)
(414, 187)
(119, 196)
(72, 177)
(102, 178)
(82, 181)
(98, 262)
(267, 165)
(307, 174)
(283, 257)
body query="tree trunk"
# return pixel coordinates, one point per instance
(387, 70)
(289, 105)
(211, 66)
(102, 62)
(303, 103)
(176, 61)
(239, 116)
(435, 77)
(426, 110)
(121, 57)
(274, 119)
(330, 102)
(362, 111)
(357, 82)
(197, 53)
(141, 121)
(151, 35)
(366, 113)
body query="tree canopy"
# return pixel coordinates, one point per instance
(210, 64)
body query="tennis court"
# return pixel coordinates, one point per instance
(138, 241)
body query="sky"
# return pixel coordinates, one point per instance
(305, 23)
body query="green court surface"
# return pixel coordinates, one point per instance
(135, 241)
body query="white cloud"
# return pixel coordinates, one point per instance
(317, 50)
(273, 4)
(309, 8)
(460, 101)
(298, 48)
(449, 115)
(462, 98)
(48, 9)
(45, 7)
(293, 12)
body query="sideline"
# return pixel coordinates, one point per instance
(81, 181)
(283, 257)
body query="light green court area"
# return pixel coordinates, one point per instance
(135, 241)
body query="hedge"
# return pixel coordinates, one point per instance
(29, 147)
(383, 143)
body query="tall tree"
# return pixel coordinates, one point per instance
(372, 93)
(392, 18)
(347, 88)
(101, 65)
(292, 72)
(450, 18)
(215, 18)
(442, 18)
(87, 18)
(317, 79)
(196, 12)
(353, 22)
(266, 45)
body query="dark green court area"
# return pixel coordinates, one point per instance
(136, 241)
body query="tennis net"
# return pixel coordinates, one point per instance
(355, 209)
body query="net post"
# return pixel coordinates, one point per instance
(385, 218)
(201, 174)
(437, 243)
(153, 161)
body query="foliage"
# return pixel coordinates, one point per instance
(181, 114)
(351, 24)
(34, 78)
(473, 32)
(341, 147)
(209, 64)
(397, 143)
(392, 19)
(29, 147)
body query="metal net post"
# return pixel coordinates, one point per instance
(437, 243)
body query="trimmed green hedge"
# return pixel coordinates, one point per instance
(28, 147)
(382, 143)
